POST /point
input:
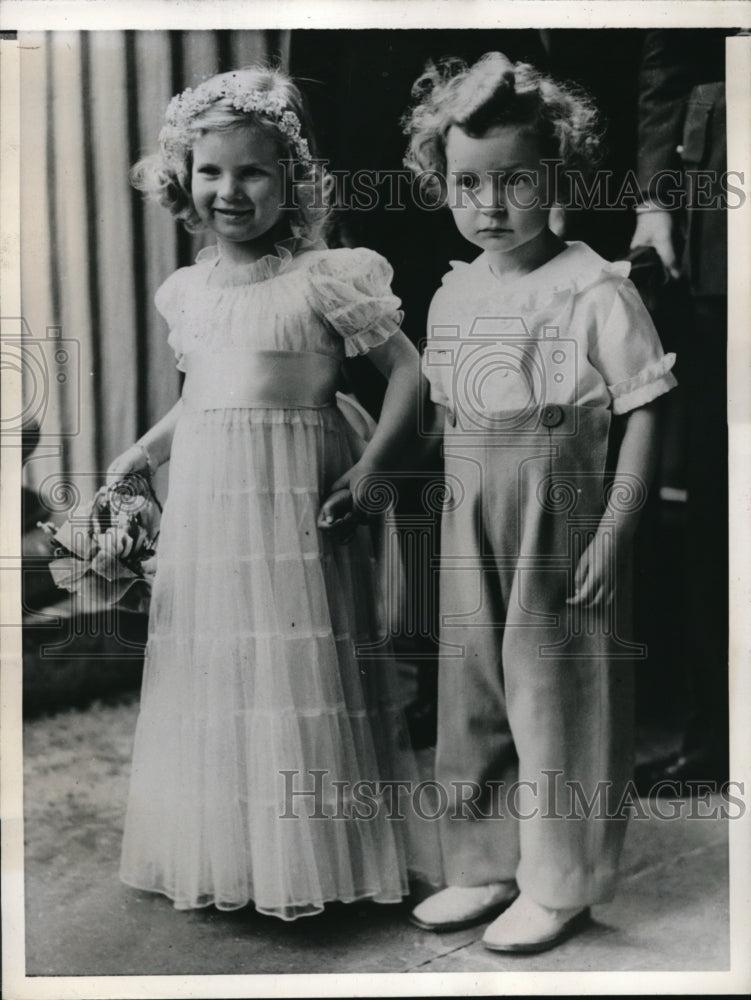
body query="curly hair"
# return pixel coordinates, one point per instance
(495, 91)
(165, 176)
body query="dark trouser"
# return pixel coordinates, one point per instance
(704, 368)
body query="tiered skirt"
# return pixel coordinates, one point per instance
(269, 726)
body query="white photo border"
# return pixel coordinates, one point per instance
(54, 15)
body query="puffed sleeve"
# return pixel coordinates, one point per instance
(352, 293)
(169, 302)
(628, 353)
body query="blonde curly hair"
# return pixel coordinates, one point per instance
(258, 96)
(495, 91)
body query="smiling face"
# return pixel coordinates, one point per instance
(497, 187)
(237, 187)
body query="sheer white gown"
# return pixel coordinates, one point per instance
(253, 690)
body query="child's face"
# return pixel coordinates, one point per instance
(238, 188)
(490, 212)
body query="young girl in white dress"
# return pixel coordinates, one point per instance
(534, 349)
(259, 722)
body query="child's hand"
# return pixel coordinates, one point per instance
(337, 515)
(135, 459)
(340, 513)
(595, 576)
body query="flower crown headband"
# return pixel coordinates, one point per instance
(187, 106)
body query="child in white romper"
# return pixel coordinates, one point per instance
(532, 349)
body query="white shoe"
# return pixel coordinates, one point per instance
(528, 927)
(458, 906)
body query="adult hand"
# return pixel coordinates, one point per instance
(654, 228)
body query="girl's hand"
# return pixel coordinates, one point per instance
(337, 515)
(135, 459)
(340, 513)
(596, 573)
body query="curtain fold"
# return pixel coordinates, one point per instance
(97, 368)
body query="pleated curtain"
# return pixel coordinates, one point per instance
(97, 368)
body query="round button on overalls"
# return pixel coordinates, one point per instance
(552, 416)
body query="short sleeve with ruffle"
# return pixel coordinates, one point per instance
(628, 353)
(169, 301)
(442, 335)
(352, 293)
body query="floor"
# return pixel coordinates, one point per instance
(671, 912)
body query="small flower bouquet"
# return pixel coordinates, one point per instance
(107, 555)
